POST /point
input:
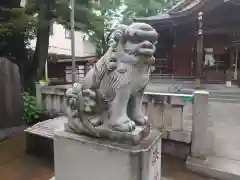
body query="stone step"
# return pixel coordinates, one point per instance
(216, 167)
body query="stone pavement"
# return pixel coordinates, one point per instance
(15, 164)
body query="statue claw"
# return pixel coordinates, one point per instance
(141, 120)
(127, 126)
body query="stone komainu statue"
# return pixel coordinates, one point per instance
(113, 89)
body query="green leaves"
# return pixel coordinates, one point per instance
(15, 20)
(31, 112)
(145, 8)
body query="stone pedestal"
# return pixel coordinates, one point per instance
(132, 138)
(80, 157)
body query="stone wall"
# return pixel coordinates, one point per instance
(224, 129)
(10, 95)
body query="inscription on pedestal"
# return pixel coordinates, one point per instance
(155, 167)
(153, 161)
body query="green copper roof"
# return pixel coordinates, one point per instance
(183, 9)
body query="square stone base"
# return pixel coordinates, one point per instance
(132, 138)
(83, 158)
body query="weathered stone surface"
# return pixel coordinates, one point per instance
(10, 95)
(92, 158)
(225, 125)
(201, 139)
(133, 138)
(216, 167)
(113, 89)
(215, 143)
(39, 137)
(47, 128)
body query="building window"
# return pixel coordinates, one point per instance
(67, 34)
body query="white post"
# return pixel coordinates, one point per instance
(39, 99)
(72, 7)
(46, 70)
(201, 139)
(23, 3)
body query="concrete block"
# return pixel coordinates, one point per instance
(155, 114)
(187, 116)
(200, 123)
(180, 136)
(39, 137)
(177, 118)
(215, 167)
(39, 97)
(167, 116)
(79, 157)
(176, 100)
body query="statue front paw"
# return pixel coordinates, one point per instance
(124, 125)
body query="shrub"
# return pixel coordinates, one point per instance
(31, 112)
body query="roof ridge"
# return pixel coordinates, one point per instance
(180, 5)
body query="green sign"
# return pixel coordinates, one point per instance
(186, 99)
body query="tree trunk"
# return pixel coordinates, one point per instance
(41, 50)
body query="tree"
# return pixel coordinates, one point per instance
(57, 10)
(18, 25)
(110, 13)
(16, 28)
(145, 8)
